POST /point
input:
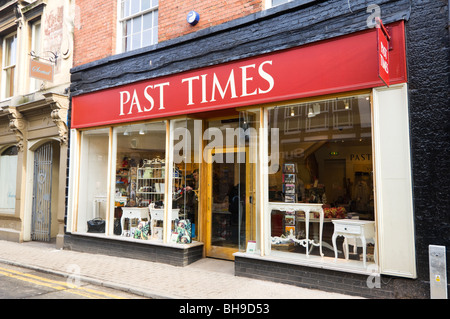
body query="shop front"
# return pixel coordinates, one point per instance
(296, 157)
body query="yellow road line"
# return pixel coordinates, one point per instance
(58, 285)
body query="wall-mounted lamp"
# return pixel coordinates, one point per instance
(193, 18)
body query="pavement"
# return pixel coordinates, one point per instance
(205, 279)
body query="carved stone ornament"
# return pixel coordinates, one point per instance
(17, 124)
(59, 109)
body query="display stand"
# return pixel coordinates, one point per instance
(151, 182)
(307, 208)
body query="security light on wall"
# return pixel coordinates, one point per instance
(193, 18)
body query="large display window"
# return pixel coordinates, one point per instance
(321, 178)
(93, 180)
(186, 173)
(8, 173)
(140, 180)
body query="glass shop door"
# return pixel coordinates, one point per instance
(229, 201)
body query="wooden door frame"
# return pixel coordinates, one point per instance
(210, 250)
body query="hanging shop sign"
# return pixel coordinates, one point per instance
(383, 39)
(326, 67)
(40, 70)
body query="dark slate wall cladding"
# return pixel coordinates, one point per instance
(384, 287)
(428, 53)
(163, 254)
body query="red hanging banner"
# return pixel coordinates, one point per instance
(383, 39)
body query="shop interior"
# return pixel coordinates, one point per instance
(325, 156)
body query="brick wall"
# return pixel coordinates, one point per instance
(95, 30)
(173, 13)
(96, 22)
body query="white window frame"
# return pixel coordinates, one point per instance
(6, 67)
(269, 3)
(120, 48)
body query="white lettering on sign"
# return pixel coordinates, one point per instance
(132, 101)
(204, 88)
(384, 57)
(383, 50)
(230, 85)
(38, 70)
(384, 64)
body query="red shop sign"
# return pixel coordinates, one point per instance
(383, 39)
(326, 67)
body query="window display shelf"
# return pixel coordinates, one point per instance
(151, 178)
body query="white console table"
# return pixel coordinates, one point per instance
(133, 212)
(158, 214)
(307, 208)
(363, 230)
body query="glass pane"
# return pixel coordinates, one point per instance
(127, 44)
(155, 35)
(135, 6)
(135, 41)
(37, 38)
(9, 83)
(154, 3)
(8, 173)
(155, 18)
(147, 38)
(147, 21)
(326, 159)
(127, 28)
(93, 177)
(186, 179)
(10, 51)
(137, 25)
(145, 4)
(140, 180)
(228, 202)
(249, 123)
(137, 33)
(125, 8)
(278, 2)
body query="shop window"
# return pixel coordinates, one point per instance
(140, 180)
(327, 161)
(8, 172)
(36, 48)
(139, 23)
(186, 179)
(9, 65)
(93, 190)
